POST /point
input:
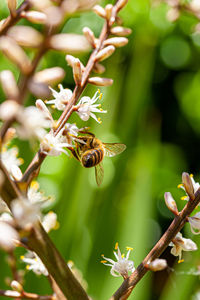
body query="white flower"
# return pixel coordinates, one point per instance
(24, 212)
(86, 107)
(61, 98)
(50, 222)
(9, 158)
(196, 186)
(180, 244)
(7, 236)
(195, 223)
(72, 132)
(157, 264)
(34, 263)
(122, 266)
(36, 196)
(33, 121)
(53, 145)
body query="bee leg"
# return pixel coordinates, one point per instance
(74, 153)
(87, 132)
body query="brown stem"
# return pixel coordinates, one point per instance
(177, 224)
(24, 295)
(12, 20)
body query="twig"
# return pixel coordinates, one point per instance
(24, 295)
(177, 224)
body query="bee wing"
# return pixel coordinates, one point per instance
(99, 173)
(112, 149)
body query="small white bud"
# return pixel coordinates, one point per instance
(8, 235)
(89, 34)
(39, 89)
(50, 76)
(15, 53)
(98, 68)
(16, 286)
(12, 7)
(54, 15)
(70, 43)
(171, 203)
(34, 16)
(116, 41)
(9, 84)
(105, 53)
(120, 31)
(26, 36)
(9, 109)
(108, 9)
(157, 265)
(71, 60)
(41, 106)
(195, 223)
(187, 183)
(120, 4)
(100, 11)
(16, 172)
(77, 72)
(100, 81)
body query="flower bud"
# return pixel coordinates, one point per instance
(7, 236)
(15, 53)
(89, 34)
(26, 36)
(41, 106)
(50, 76)
(108, 10)
(170, 203)
(100, 11)
(105, 53)
(35, 17)
(69, 42)
(54, 15)
(12, 7)
(120, 31)
(98, 68)
(39, 89)
(195, 223)
(9, 84)
(71, 60)
(173, 14)
(10, 134)
(8, 110)
(41, 5)
(77, 72)
(100, 81)
(157, 265)
(16, 286)
(16, 173)
(120, 4)
(116, 41)
(187, 182)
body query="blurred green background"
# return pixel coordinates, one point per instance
(154, 108)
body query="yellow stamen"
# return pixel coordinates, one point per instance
(27, 267)
(116, 245)
(45, 101)
(35, 185)
(123, 255)
(129, 248)
(103, 261)
(99, 91)
(22, 256)
(180, 261)
(100, 96)
(191, 175)
(56, 226)
(35, 259)
(53, 106)
(21, 161)
(99, 105)
(180, 185)
(101, 109)
(184, 198)
(55, 124)
(102, 255)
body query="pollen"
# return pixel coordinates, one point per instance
(101, 109)
(21, 161)
(129, 248)
(99, 91)
(191, 175)
(100, 96)
(103, 261)
(180, 261)
(35, 185)
(123, 255)
(22, 256)
(53, 106)
(116, 245)
(102, 255)
(180, 185)
(56, 226)
(184, 198)
(28, 267)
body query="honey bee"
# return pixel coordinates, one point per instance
(90, 151)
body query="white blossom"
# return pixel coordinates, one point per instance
(32, 123)
(24, 212)
(34, 264)
(122, 266)
(196, 186)
(60, 98)
(53, 145)
(10, 159)
(49, 221)
(8, 235)
(195, 223)
(87, 107)
(180, 244)
(36, 196)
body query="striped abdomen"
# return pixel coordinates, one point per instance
(92, 157)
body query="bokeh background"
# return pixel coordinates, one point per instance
(154, 108)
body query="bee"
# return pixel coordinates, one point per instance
(90, 152)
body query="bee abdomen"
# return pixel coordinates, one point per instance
(92, 157)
